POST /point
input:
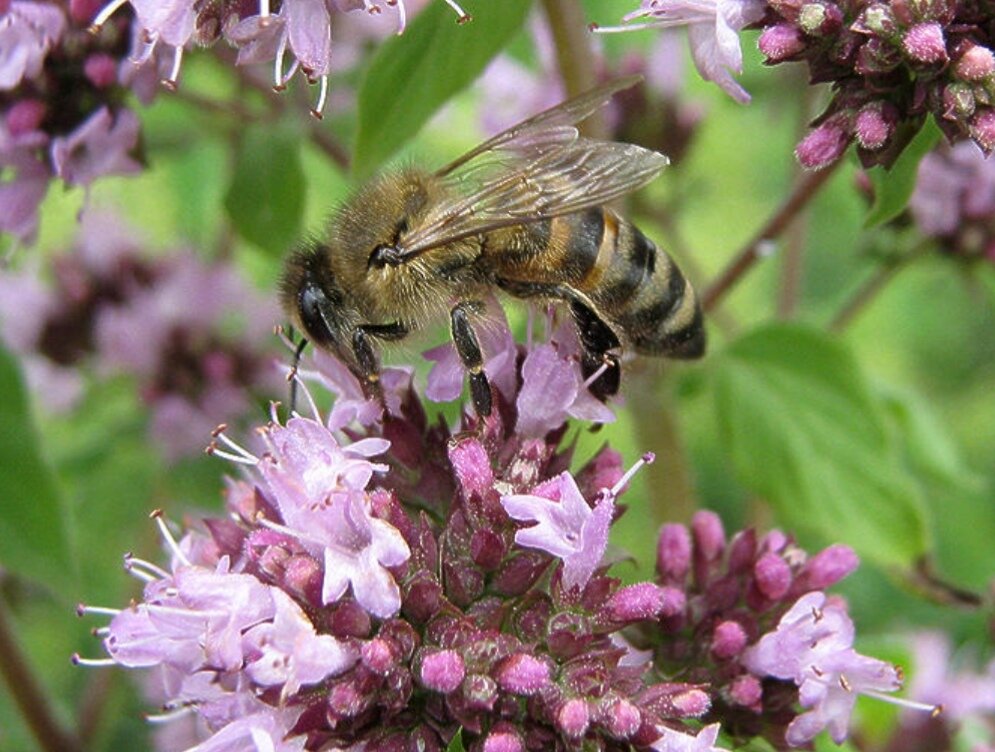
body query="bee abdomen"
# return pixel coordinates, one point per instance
(640, 289)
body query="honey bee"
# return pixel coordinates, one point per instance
(523, 213)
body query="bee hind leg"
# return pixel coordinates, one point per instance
(597, 341)
(468, 349)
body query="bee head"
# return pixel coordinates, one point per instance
(313, 299)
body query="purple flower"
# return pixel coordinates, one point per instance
(941, 679)
(675, 741)
(813, 647)
(713, 32)
(103, 145)
(27, 32)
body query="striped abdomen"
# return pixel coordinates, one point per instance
(629, 283)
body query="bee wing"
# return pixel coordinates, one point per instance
(537, 169)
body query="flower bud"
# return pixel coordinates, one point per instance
(728, 640)
(773, 576)
(877, 19)
(522, 674)
(487, 549)
(622, 719)
(983, 130)
(958, 101)
(781, 42)
(820, 19)
(25, 116)
(573, 718)
(976, 63)
(503, 738)
(746, 690)
(673, 552)
(874, 125)
(822, 146)
(100, 70)
(377, 655)
(480, 691)
(925, 43)
(643, 600)
(442, 671)
(829, 566)
(709, 536)
(692, 703)
(471, 465)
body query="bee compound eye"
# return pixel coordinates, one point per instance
(311, 304)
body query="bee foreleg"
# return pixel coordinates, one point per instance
(367, 362)
(597, 340)
(468, 349)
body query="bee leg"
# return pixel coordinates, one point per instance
(597, 340)
(469, 353)
(366, 355)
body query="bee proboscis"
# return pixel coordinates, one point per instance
(524, 213)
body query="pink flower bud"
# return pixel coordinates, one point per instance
(728, 640)
(522, 674)
(503, 738)
(691, 704)
(924, 43)
(829, 566)
(983, 130)
(746, 690)
(773, 576)
(874, 125)
(377, 655)
(442, 671)
(643, 600)
(976, 63)
(623, 719)
(573, 718)
(781, 42)
(673, 603)
(709, 535)
(101, 70)
(472, 466)
(673, 552)
(822, 146)
(25, 116)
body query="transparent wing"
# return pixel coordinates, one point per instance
(537, 169)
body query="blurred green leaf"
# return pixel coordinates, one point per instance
(414, 74)
(804, 431)
(893, 187)
(959, 498)
(32, 515)
(265, 200)
(456, 745)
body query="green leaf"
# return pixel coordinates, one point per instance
(414, 74)
(456, 745)
(959, 498)
(893, 187)
(804, 431)
(32, 514)
(265, 200)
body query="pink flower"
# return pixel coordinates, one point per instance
(675, 741)
(103, 145)
(27, 32)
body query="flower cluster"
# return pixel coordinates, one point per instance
(954, 201)
(61, 112)
(382, 581)
(192, 333)
(300, 30)
(891, 64)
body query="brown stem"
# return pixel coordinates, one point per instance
(803, 192)
(29, 694)
(574, 56)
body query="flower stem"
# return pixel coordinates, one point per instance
(28, 693)
(873, 285)
(575, 56)
(805, 189)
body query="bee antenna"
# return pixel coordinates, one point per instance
(292, 376)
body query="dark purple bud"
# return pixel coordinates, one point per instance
(603, 471)
(522, 674)
(820, 19)
(303, 577)
(472, 466)
(480, 692)
(773, 576)
(983, 130)
(976, 63)
(101, 70)
(520, 573)
(643, 600)
(442, 671)
(573, 718)
(822, 146)
(925, 43)
(874, 125)
(349, 619)
(829, 566)
(423, 599)
(781, 42)
(728, 640)
(742, 551)
(746, 691)
(622, 719)
(503, 738)
(25, 116)
(487, 549)
(673, 552)
(958, 101)
(877, 56)
(877, 19)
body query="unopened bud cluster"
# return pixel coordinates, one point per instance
(891, 65)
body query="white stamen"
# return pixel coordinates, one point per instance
(646, 459)
(144, 569)
(315, 412)
(106, 13)
(278, 80)
(594, 376)
(322, 97)
(222, 436)
(79, 660)
(101, 631)
(84, 610)
(214, 451)
(463, 15)
(402, 15)
(170, 716)
(902, 702)
(628, 27)
(174, 73)
(169, 539)
(264, 8)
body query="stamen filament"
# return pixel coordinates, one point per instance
(646, 459)
(168, 538)
(79, 660)
(106, 13)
